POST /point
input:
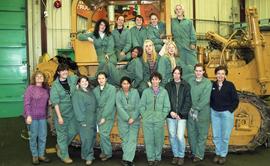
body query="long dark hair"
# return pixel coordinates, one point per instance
(140, 50)
(179, 68)
(106, 31)
(61, 67)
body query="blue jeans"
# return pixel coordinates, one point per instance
(222, 125)
(38, 135)
(176, 133)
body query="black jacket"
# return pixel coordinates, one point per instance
(224, 99)
(184, 98)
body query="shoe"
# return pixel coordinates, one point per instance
(180, 161)
(222, 160)
(216, 159)
(196, 159)
(105, 158)
(131, 164)
(124, 163)
(35, 161)
(88, 162)
(44, 159)
(151, 163)
(102, 155)
(174, 160)
(156, 163)
(67, 160)
(58, 153)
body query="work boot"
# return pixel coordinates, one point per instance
(174, 160)
(88, 162)
(222, 160)
(216, 159)
(151, 163)
(44, 159)
(180, 161)
(196, 159)
(35, 161)
(67, 160)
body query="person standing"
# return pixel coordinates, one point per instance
(105, 95)
(154, 108)
(36, 99)
(138, 32)
(84, 103)
(180, 99)
(127, 100)
(65, 123)
(122, 39)
(224, 101)
(184, 36)
(199, 114)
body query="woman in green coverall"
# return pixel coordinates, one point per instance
(103, 42)
(65, 123)
(122, 39)
(199, 115)
(156, 32)
(127, 100)
(184, 36)
(134, 69)
(105, 95)
(138, 32)
(84, 104)
(154, 108)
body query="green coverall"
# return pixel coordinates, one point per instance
(134, 70)
(184, 35)
(84, 104)
(103, 47)
(67, 131)
(127, 107)
(154, 110)
(122, 42)
(198, 129)
(105, 109)
(156, 34)
(165, 69)
(138, 36)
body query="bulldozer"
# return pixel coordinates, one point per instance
(246, 53)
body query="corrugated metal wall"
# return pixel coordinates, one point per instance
(262, 6)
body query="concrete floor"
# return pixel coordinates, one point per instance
(15, 151)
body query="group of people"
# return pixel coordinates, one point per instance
(150, 90)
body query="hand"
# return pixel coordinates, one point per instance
(60, 121)
(28, 120)
(192, 46)
(101, 121)
(149, 84)
(130, 121)
(83, 125)
(90, 39)
(122, 53)
(173, 115)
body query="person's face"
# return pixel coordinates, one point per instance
(63, 74)
(102, 27)
(83, 83)
(221, 75)
(149, 48)
(120, 21)
(102, 80)
(125, 85)
(139, 21)
(134, 53)
(199, 72)
(171, 49)
(155, 81)
(39, 78)
(154, 20)
(179, 10)
(176, 75)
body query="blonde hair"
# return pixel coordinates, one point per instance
(167, 46)
(154, 53)
(182, 7)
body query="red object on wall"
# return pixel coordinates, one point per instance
(57, 4)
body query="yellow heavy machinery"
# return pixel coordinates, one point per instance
(246, 54)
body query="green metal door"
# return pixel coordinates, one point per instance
(13, 57)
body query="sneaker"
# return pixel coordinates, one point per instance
(105, 158)
(35, 161)
(151, 163)
(216, 159)
(44, 159)
(180, 161)
(174, 160)
(156, 163)
(222, 160)
(88, 162)
(67, 160)
(102, 155)
(196, 159)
